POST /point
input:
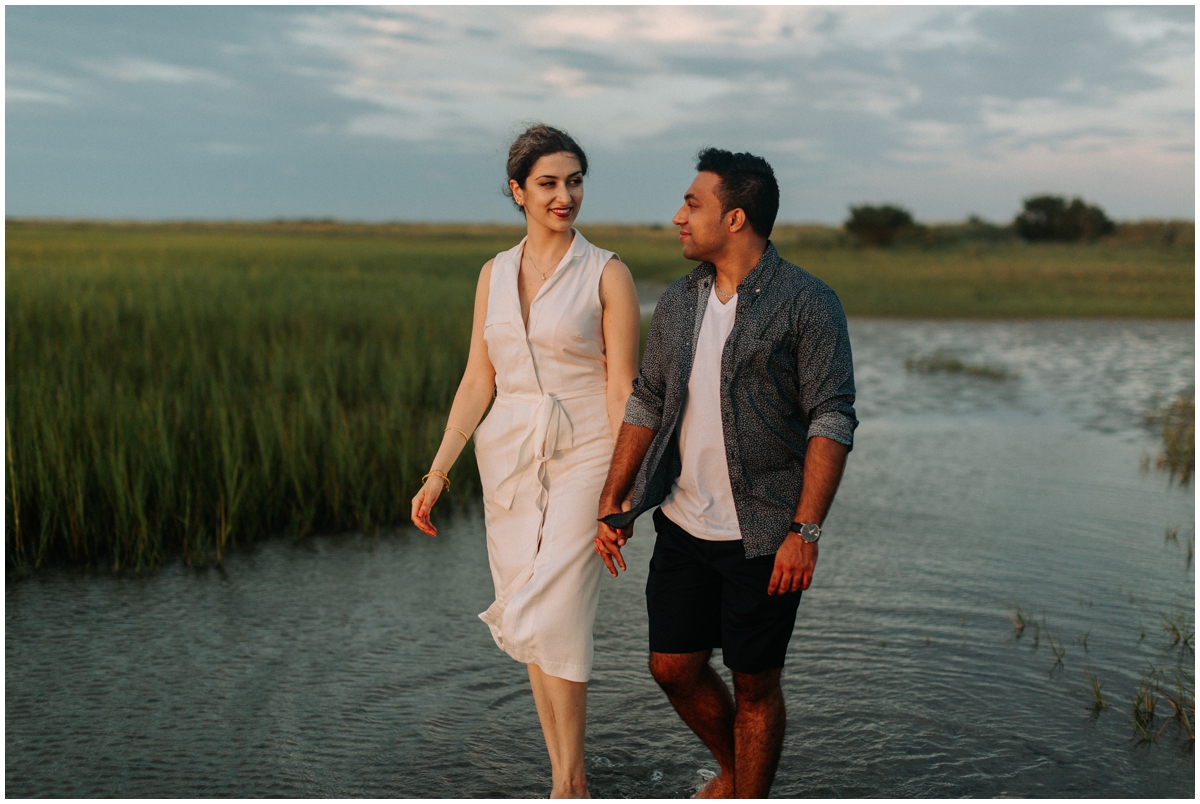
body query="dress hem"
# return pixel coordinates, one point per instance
(570, 671)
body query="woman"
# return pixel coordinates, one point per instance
(555, 335)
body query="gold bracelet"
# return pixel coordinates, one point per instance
(460, 432)
(437, 473)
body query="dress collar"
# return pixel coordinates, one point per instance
(579, 246)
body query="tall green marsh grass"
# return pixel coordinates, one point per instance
(185, 390)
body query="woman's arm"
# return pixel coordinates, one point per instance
(474, 394)
(622, 323)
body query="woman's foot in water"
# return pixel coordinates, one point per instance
(578, 789)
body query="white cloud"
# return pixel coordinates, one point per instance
(31, 84)
(1158, 118)
(138, 70)
(806, 149)
(905, 28)
(18, 95)
(661, 25)
(1142, 25)
(227, 149)
(855, 92)
(431, 85)
(570, 82)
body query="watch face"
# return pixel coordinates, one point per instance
(809, 531)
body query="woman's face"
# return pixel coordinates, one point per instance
(553, 192)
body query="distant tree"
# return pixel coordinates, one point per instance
(1050, 217)
(879, 226)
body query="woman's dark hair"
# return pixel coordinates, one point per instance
(747, 183)
(533, 143)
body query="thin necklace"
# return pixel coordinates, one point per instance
(534, 264)
(725, 296)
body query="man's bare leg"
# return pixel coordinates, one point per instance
(703, 701)
(758, 732)
(562, 710)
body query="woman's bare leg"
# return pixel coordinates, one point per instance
(562, 710)
(546, 715)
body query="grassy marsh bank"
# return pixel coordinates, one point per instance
(181, 389)
(1124, 276)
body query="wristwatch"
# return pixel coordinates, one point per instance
(809, 531)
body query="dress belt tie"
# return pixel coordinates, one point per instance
(549, 432)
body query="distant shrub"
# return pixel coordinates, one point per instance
(879, 226)
(952, 365)
(1051, 217)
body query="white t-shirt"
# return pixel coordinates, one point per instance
(701, 500)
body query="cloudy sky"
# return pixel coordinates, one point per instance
(373, 113)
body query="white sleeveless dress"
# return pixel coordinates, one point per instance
(543, 453)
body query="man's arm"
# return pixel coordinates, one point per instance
(824, 462)
(632, 443)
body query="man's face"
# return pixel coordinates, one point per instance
(702, 230)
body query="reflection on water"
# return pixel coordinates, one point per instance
(355, 666)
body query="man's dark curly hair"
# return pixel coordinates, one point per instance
(747, 183)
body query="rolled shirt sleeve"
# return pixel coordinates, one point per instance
(826, 370)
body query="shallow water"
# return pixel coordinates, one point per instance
(355, 666)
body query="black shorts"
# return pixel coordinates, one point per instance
(702, 595)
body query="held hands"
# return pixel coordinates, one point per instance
(609, 540)
(794, 564)
(422, 504)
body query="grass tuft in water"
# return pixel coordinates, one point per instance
(1178, 688)
(1098, 702)
(1142, 719)
(1058, 649)
(1177, 422)
(1181, 696)
(952, 365)
(1179, 628)
(1019, 620)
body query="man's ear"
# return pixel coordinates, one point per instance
(736, 220)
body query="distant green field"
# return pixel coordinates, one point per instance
(177, 390)
(963, 280)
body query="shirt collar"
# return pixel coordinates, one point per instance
(761, 271)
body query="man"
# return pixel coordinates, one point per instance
(740, 421)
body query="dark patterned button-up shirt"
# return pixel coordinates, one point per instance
(786, 375)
